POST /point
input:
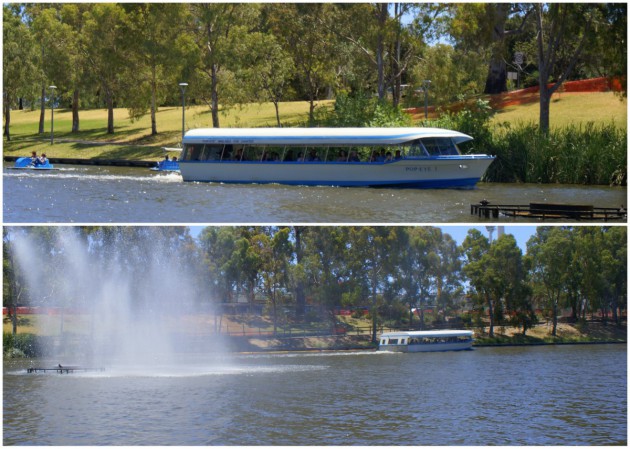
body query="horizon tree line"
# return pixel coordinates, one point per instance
(133, 55)
(313, 271)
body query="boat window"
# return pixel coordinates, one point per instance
(192, 152)
(211, 153)
(440, 146)
(416, 149)
(393, 341)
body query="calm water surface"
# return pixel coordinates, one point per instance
(565, 395)
(79, 194)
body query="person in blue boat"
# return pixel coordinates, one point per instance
(42, 159)
(34, 159)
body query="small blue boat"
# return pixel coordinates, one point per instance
(167, 165)
(28, 163)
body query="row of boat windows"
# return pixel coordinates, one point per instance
(424, 340)
(420, 148)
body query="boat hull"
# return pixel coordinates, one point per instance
(428, 347)
(439, 172)
(25, 163)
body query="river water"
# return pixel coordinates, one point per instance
(80, 194)
(550, 395)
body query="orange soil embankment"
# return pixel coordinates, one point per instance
(531, 95)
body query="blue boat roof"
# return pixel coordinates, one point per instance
(318, 136)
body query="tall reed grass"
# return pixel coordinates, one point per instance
(576, 154)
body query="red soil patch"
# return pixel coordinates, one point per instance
(531, 95)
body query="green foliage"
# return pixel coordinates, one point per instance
(575, 154)
(364, 111)
(25, 345)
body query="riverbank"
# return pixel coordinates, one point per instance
(590, 333)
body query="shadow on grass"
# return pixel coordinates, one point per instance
(131, 152)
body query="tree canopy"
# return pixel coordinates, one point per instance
(134, 55)
(398, 274)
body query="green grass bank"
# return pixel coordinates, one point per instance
(587, 143)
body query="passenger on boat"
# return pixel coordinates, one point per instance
(34, 159)
(300, 157)
(238, 156)
(42, 159)
(342, 156)
(388, 157)
(174, 159)
(381, 156)
(313, 157)
(354, 157)
(289, 156)
(398, 156)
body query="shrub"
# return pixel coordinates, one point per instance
(27, 344)
(361, 110)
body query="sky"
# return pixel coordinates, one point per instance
(458, 232)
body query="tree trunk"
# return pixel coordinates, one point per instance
(380, 69)
(42, 110)
(496, 81)
(374, 311)
(110, 111)
(14, 320)
(491, 315)
(554, 328)
(215, 97)
(545, 102)
(75, 111)
(300, 300)
(7, 117)
(153, 103)
(276, 106)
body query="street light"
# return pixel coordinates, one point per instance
(182, 86)
(52, 114)
(426, 84)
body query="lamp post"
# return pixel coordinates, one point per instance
(426, 84)
(52, 114)
(182, 87)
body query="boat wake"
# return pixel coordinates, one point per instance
(81, 175)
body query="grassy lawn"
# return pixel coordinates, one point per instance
(571, 109)
(132, 140)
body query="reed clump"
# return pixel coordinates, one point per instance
(576, 154)
(581, 153)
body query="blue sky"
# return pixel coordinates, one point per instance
(520, 233)
(458, 232)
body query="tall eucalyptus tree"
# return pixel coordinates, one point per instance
(19, 62)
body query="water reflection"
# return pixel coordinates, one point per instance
(569, 395)
(111, 194)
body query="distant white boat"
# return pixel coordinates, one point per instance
(426, 341)
(401, 157)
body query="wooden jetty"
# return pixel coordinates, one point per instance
(62, 369)
(548, 211)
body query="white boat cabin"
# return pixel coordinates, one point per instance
(426, 341)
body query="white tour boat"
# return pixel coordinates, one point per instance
(402, 157)
(426, 341)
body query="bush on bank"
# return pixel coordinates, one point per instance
(20, 345)
(576, 154)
